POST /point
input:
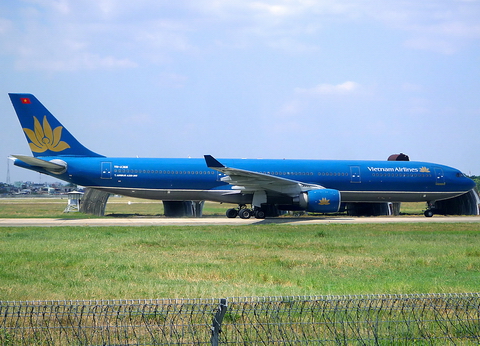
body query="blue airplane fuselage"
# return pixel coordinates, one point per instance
(173, 179)
(312, 185)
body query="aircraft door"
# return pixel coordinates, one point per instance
(355, 176)
(106, 170)
(439, 176)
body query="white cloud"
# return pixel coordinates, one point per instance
(305, 101)
(270, 9)
(81, 62)
(290, 108)
(5, 26)
(86, 34)
(411, 87)
(172, 80)
(433, 45)
(442, 27)
(446, 35)
(330, 89)
(60, 6)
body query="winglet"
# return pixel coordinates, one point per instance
(212, 162)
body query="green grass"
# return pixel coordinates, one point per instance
(116, 206)
(41, 263)
(121, 206)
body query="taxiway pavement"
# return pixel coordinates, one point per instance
(161, 221)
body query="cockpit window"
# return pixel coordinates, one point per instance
(460, 175)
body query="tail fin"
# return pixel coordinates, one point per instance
(45, 135)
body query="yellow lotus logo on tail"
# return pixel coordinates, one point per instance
(43, 138)
(324, 201)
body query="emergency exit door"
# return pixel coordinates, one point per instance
(106, 170)
(355, 176)
(439, 176)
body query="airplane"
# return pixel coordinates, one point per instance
(319, 186)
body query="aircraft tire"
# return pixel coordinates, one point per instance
(428, 213)
(245, 213)
(260, 214)
(232, 213)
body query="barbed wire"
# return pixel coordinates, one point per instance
(323, 320)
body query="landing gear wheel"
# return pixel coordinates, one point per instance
(245, 213)
(232, 213)
(259, 214)
(428, 213)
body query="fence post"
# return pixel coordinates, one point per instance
(217, 321)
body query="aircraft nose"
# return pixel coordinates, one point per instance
(462, 182)
(470, 184)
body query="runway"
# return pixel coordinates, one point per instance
(223, 221)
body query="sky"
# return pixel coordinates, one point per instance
(306, 79)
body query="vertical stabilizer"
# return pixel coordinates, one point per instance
(44, 133)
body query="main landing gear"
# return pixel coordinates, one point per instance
(244, 213)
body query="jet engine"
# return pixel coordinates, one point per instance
(321, 201)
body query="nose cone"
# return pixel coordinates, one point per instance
(460, 182)
(469, 184)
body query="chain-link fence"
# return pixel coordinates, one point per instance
(431, 319)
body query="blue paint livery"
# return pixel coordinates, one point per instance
(314, 185)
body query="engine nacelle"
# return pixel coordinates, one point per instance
(322, 201)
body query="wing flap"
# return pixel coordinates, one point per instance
(250, 181)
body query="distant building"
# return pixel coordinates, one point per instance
(31, 188)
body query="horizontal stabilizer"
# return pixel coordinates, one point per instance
(49, 166)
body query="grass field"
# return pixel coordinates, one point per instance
(220, 261)
(42, 263)
(54, 207)
(125, 206)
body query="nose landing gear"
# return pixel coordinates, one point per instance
(429, 213)
(431, 210)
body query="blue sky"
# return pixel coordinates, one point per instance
(343, 79)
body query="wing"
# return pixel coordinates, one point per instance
(249, 181)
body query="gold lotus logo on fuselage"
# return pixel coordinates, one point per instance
(43, 138)
(424, 169)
